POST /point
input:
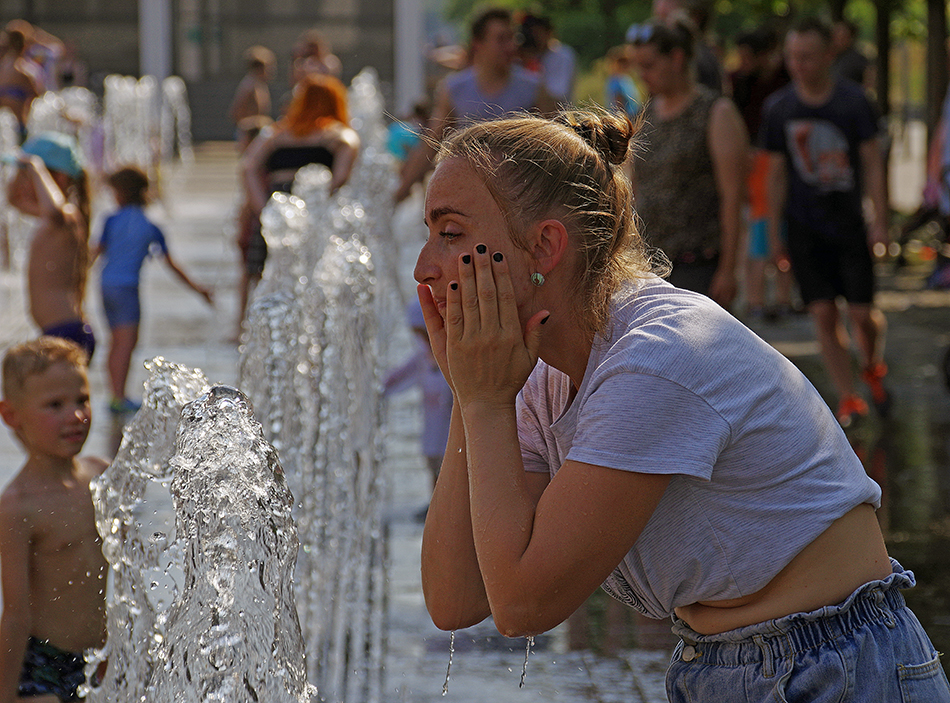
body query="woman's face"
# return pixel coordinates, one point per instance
(656, 69)
(461, 213)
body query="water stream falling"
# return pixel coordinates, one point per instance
(310, 362)
(134, 517)
(231, 634)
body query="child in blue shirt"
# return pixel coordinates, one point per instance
(127, 238)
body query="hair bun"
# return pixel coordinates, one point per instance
(609, 134)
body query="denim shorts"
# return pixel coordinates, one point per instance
(871, 648)
(121, 305)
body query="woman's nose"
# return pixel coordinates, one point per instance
(425, 270)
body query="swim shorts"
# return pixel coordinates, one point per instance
(47, 669)
(76, 331)
(121, 305)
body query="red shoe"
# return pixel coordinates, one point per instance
(850, 409)
(873, 375)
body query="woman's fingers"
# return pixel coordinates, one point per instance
(507, 307)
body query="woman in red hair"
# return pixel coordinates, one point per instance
(314, 131)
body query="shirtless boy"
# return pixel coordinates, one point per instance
(51, 185)
(53, 571)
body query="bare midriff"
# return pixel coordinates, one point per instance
(848, 554)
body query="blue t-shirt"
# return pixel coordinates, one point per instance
(127, 238)
(821, 144)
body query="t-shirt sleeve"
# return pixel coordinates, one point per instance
(649, 424)
(771, 134)
(867, 126)
(531, 434)
(158, 240)
(534, 422)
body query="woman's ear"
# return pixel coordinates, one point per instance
(549, 245)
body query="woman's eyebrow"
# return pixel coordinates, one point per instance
(438, 212)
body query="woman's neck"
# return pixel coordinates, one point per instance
(675, 100)
(566, 346)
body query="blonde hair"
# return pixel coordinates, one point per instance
(569, 168)
(35, 357)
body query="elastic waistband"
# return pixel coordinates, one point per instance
(874, 602)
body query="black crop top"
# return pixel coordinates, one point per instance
(291, 158)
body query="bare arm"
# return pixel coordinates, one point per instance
(177, 270)
(729, 147)
(344, 156)
(52, 203)
(777, 195)
(545, 102)
(451, 579)
(252, 169)
(541, 561)
(16, 621)
(872, 165)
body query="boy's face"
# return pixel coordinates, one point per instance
(52, 413)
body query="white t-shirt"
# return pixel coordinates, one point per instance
(759, 465)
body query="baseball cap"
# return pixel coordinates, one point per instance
(59, 152)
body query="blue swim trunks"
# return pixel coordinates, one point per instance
(121, 305)
(76, 331)
(48, 669)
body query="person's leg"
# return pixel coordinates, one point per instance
(755, 286)
(868, 325)
(834, 345)
(121, 346)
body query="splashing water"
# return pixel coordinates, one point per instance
(232, 633)
(310, 361)
(448, 669)
(132, 516)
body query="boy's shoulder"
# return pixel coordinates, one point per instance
(30, 488)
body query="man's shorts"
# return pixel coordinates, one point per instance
(121, 305)
(827, 268)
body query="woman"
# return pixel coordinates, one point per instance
(658, 447)
(689, 175)
(314, 131)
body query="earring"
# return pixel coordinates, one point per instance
(537, 279)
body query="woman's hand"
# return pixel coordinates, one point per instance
(435, 328)
(488, 353)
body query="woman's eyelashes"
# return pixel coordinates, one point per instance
(449, 235)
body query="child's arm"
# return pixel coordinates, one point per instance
(200, 290)
(50, 198)
(16, 620)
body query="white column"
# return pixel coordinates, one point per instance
(155, 38)
(409, 62)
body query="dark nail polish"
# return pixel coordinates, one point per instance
(546, 318)
(497, 256)
(481, 249)
(466, 259)
(453, 285)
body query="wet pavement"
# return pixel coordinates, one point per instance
(624, 658)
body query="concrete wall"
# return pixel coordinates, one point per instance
(210, 37)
